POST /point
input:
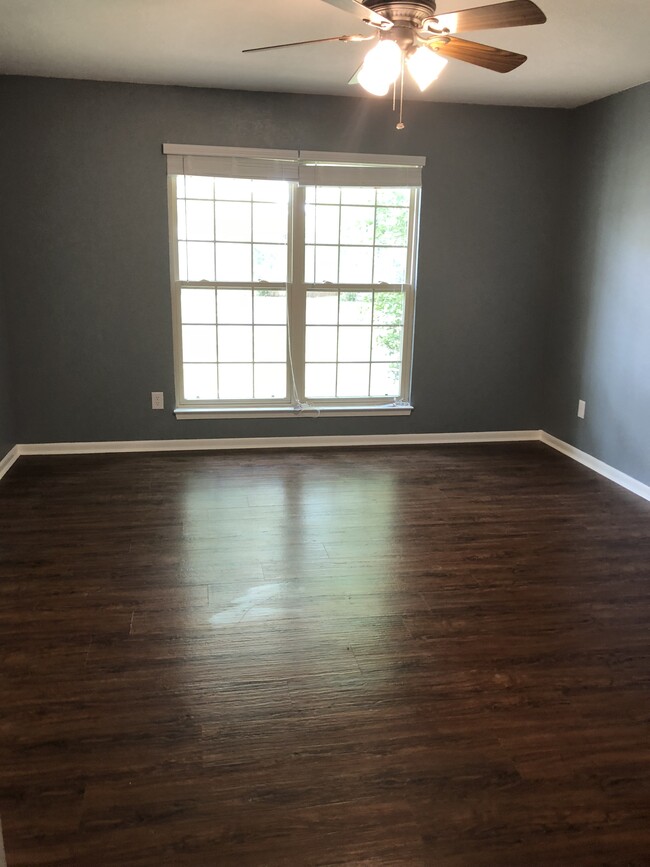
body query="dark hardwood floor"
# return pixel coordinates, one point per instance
(415, 656)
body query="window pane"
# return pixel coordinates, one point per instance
(387, 196)
(270, 263)
(270, 306)
(385, 380)
(322, 308)
(200, 221)
(389, 308)
(235, 189)
(198, 306)
(357, 225)
(387, 343)
(200, 382)
(320, 380)
(358, 195)
(354, 343)
(353, 380)
(235, 343)
(320, 343)
(270, 343)
(199, 343)
(356, 308)
(200, 260)
(180, 187)
(390, 265)
(197, 187)
(328, 195)
(392, 227)
(233, 221)
(270, 381)
(234, 306)
(270, 223)
(356, 265)
(234, 263)
(182, 260)
(327, 264)
(235, 381)
(181, 232)
(322, 224)
(271, 191)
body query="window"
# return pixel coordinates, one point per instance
(292, 281)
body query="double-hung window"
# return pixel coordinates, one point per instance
(292, 281)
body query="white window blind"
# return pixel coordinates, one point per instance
(308, 168)
(359, 170)
(251, 163)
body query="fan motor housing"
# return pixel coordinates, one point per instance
(404, 14)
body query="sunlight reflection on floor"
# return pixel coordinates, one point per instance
(250, 606)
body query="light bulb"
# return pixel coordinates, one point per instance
(425, 66)
(381, 67)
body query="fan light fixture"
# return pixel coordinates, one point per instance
(383, 65)
(411, 34)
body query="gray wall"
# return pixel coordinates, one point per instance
(600, 341)
(7, 421)
(7, 426)
(86, 250)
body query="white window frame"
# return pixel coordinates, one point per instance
(295, 404)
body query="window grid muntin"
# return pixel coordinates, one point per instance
(253, 324)
(313, 196)
(253, 244)
(371, 325)
(312, 244)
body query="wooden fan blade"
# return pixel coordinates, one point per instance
(362, 12)
(355, 38)
(486, 56)
(516, 13)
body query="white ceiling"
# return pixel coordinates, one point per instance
(587, 50)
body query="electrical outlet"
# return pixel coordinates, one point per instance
(157, 400)
(582, 408)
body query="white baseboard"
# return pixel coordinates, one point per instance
(298, 442)
(7, 462)
(305, 442)
(614, 475)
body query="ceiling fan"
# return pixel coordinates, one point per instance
(411, 34)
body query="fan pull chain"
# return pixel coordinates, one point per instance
(394, 95)
(401, 123)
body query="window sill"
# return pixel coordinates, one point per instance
(185, 413)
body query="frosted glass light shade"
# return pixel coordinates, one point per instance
(381, 67)
(372, 82)
(425, 66)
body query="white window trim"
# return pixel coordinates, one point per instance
(297, 289)
(310, 411)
